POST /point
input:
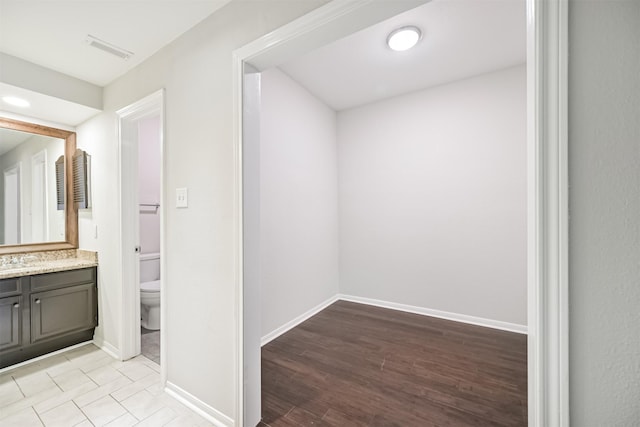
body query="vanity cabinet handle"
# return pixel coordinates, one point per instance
(16, 305)
(37, 301)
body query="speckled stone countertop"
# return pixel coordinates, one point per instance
(15, 265)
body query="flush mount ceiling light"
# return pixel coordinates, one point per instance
(16, 102)
(404, 38)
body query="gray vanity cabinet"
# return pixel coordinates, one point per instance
(46, 312)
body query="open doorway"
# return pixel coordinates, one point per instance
(544, 182)
(141, 148)
(388, 181)
(149, 179)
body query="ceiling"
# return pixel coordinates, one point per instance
(461, 39)
(52, 33)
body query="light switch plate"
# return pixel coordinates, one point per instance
(181, 198)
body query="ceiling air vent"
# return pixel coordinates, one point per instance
(108, 47)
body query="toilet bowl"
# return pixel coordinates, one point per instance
(150, 291)
(150, 305)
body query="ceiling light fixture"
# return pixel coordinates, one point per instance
(404, 38)
(16, 102)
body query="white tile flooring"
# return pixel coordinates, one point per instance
(86, 387)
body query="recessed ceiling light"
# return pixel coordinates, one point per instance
(404, 38)
(16, 102)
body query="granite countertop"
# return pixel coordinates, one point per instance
(48, 262)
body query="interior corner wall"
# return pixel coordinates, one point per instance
(298, 201)
(604, 213)
(432, 198)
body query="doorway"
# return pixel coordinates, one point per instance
(142, 218)
(546, 210)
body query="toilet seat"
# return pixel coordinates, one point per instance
(150, 287)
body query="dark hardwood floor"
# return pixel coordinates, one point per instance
(358, 365)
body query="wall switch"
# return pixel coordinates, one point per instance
(181, 198)
(95, 231)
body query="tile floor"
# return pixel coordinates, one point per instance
(86, 387)
(150, 344)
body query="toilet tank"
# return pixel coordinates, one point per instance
(149, 267)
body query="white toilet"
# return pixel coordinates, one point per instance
(150, 291)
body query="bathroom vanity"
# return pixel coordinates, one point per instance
(48, 287)
(47, 305)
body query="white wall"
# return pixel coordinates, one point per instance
(251, 326)
(604, 207)
(433, 198)
(149, 183)
(98, 137)
(299, 201)
(195, 70)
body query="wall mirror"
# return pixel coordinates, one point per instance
(37, 212)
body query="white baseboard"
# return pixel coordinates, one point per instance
(295, 322)
(209, 413)
(479, 321)
(108, 348)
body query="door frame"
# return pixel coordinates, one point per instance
(547, 181)
(128, 119)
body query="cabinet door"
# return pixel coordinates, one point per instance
(10, 323)
(62, 311)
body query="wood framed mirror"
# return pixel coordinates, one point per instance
(37, 212)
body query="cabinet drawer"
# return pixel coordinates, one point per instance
(10, 323)
(10, 287)
(61, 311)
(47, 281)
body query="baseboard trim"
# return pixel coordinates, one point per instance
(479, 321)
(295, 322)
(209, 413)
(456, 317)
(108, 348)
